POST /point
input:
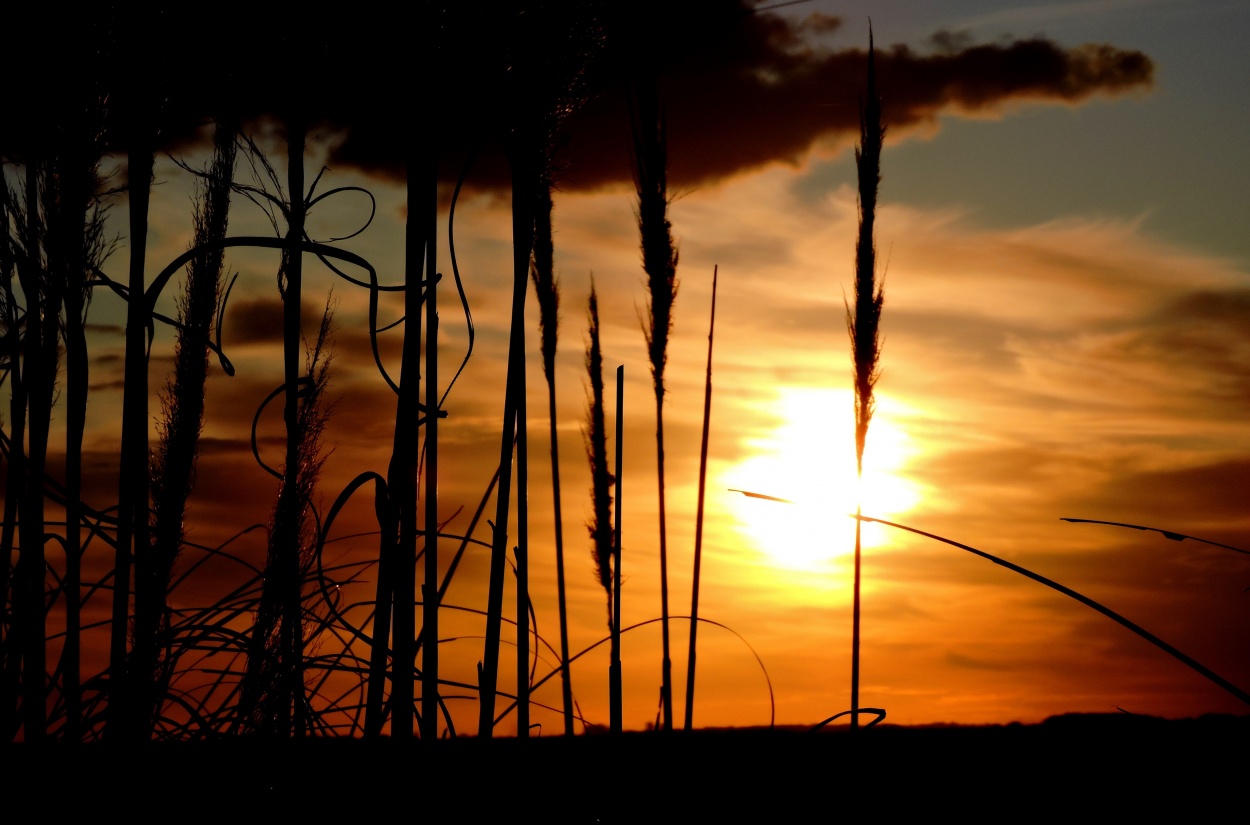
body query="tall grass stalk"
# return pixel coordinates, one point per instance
(273, 699)
(383, 598)
(521, 552)
(133, 487)
(601, 480)
(1167, 534)
(617, 696)
(394, 609)
(604, 537)
(77, 233)
(402, 474)
(10, 341)
(525, 166)
(429, 587)
(1193, 664)
(51, 245)
(533, 95)
(173, 467)
(547, 291)
(287, 520)
(423, 195)
(547, 51)
(15, 471)
(40, 359)
(863, 324)
(659, 262)
(698, 524)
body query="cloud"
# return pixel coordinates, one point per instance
(1204, 335)
(259, 321)
(1208, 492)
(770, 106)
(1184, 358)
(743, 90)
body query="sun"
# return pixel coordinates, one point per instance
(808, 461)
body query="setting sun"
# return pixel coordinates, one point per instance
(808, 460)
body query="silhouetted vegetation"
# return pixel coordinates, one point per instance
(864, 324)
(659, 262)
(288, 648)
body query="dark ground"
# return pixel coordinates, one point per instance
(1078, 766)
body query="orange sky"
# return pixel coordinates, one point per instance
(1081, 364)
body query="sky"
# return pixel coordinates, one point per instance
(1066, 327)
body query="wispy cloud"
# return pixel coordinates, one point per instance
(1043, 14)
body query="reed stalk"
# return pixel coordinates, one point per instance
(430, 599)
(547, 48)
(173, 466)
(384, 591)
(547, 291)
(76, 246)
(272, 696)
(523, 158)
(698, 523)
(1184, 659)
(659, 262)
(133, 478)
(521, 553)
(863, 324)
(601, 480)
(287, 520)
(617, 696)
(1167, 534)
(40, 364)
(403, 472)
(11, 262)
(52, 235)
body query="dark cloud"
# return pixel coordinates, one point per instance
(260, 321)
(951, 42)
(1208, 334)
(1203, 493)
(743, 90)
(821, 23)
(1228, 310)
(748, 115)
(1202, 335)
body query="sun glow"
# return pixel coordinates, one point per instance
(808, 460)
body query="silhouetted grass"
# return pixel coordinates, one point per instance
(291, 647)
(273, 699)
(547, 291)
(698, 524)
(174, 460)
(864, 323)
(1085, 600)
(601, 480)
(659, 262)
(1168, 534)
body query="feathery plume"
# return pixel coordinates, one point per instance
(546, 284)
(600, 525)
(659, 261)
(863, 323)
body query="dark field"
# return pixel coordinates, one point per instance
(1073, 767)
